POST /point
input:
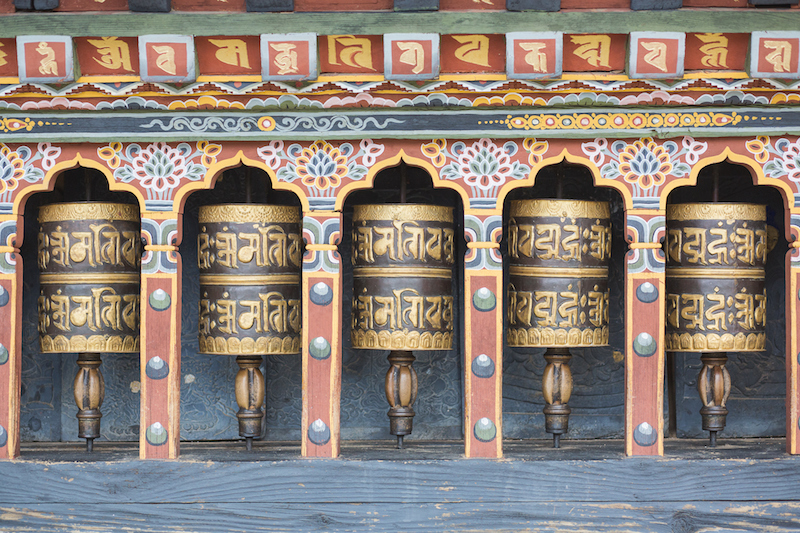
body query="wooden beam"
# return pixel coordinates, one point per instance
(131, 24)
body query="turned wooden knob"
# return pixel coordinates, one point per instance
(250, 389)
(401, 392)
(89, 389)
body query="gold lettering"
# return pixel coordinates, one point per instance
(448, 245)
(598, 309)
(718, 247)
(82, 249)
(599, 242)
(550, 242)
(412, 314)
(250, 250)
(110, 314)
(745, 306)
(59, 253)
(275, 311)
(251, 317)
(595, 49)
(433, 315)
(227, 315)
(413, 54)
(715, 314)
(114, 54)
(355, 52)
(760, 313)
(363, 315)
(746, 239)
(108, 251)
(761, 246)
(569, 309)
(694, 312)
(83, 315)
(781, 58)
(535, 57)
(657, 54)
(130, 313)
(571, 243)
(48, 65)
(166, 59)
(414, 245)
(385, 316)
(673, 309)
(231, 52)
(362, 245)
(433, 246)
(474, 49)
(674, 244)
(286, 58)
(203, 251)
(61, 311)
(695, 249)
(204, 323)
(715, 51)
(226, 250)
(386, 243)
(545, 308)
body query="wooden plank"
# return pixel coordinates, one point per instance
(651, 516)
(130, 24)
(528, 474)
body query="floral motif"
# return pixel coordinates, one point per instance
(15, 165)
(780, 160)
(645, 164)
(321, 167)
(483, 165)
(536, 150)
(158, 167)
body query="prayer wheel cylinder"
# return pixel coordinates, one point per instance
(558, 253)
(89, 257)
(403, 256)
(716, 298)
(250, 257)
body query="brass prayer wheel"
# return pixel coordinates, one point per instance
(559, 252)
(89, 257)
(716, 298)
(250, 258)
(403, 256)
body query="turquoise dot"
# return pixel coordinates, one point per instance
(160, 300)
(156, 434)
(484, 300)
(485, 430)
(320, 348)
(644, 345)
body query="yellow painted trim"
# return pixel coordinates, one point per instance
(389, 162)
(109, 79)
(160, 248)
(50, 177)
(565, 155)
(483, 245)
(8, 250)
(756, 170)
(644, 245)
(229, 78)
(215, 170)
(322, 247)
(715, 74)
(9, 80)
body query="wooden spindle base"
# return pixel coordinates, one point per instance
(714, 386)
(89, 390)
(250, 389)
(556, 389)
(401, 392)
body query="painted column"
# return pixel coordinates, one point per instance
(10, 335)
(644, 333)
(483, 346)
(160, 335)
(322, 334)
(792, 337)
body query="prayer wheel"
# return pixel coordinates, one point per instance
(250, 257)
(716, 299)
(89, 257)
(402, 259)
(558, 289)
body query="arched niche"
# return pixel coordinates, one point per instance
(597, 400)
(208, 403)
(47, 405)
(756, 403)
(439, 404)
